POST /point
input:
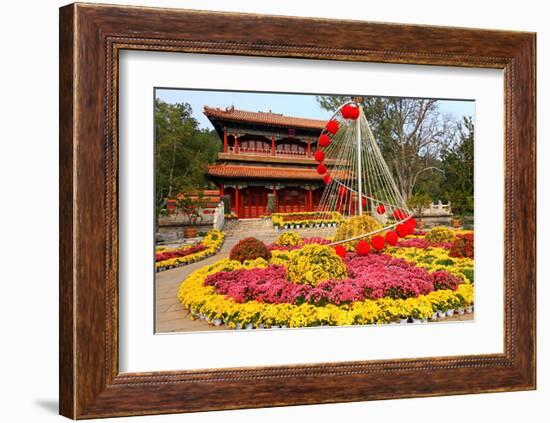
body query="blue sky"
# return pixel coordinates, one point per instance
(301, 105)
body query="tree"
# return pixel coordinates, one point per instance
(182, 151)
(458, 165)
(410, 133)
(418, 202)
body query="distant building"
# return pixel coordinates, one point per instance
(265, 152)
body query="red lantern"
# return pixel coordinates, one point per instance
(327, 179)
(381, 209)
(340, 251)
(353, 112)
(378, 242)
(411, 223)
(362, 248)
(391, 238)
(321, 169)
(400, 214)
(364, 202)
(319, 156)
(332, 126)
(324, 140)
(345, 111)
(402, 230)
(342, 191)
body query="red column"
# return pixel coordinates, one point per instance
(224, 141)
(221, 190)
(237, 202)
(236, 144)
(309, 147)
(310, 200)
(276, 201)
(272, 146)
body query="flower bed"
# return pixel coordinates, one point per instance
(168, 258)
(304, 241)
(306, 220)
(376, 288)
(434, 259)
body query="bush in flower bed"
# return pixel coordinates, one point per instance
(167, 258)
(356, 226)
(440, 234)
(205, 302)
(182, 252)
(249, 249)
(288, 239)
(314, 264)
(305, 241)
(463, 246)
(433, 259)
(423, 243)
(305, 219)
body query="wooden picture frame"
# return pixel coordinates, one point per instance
(91, 36)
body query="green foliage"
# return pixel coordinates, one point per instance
(271, 203)
(458, 165)
(419, 202)
(461, 203)
(249, 249)
(182, 151)
(226, 204)
(191, 207)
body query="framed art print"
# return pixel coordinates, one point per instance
(261, 211)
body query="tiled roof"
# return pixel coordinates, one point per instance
(263, 172)
(267, 118)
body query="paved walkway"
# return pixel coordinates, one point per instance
(170, 316)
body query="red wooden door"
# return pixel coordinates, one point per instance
(292, 200)
(254, 202)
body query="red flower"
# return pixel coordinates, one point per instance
(378, 242)
(327, 179)
(340, 251)
(381, 209)
(362, 248)
(463, 246)
(391, 237)
(332, 126)
(324, 140)
(321, 169)
(319, 156)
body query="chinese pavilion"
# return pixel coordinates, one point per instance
(265, 152)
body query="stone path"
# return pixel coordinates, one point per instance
(170, 316)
